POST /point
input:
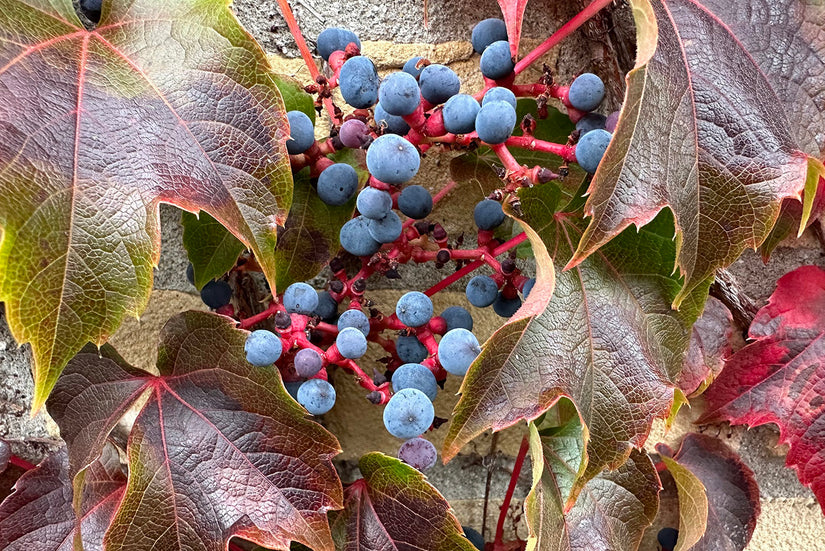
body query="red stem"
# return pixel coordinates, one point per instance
(289, 17)
(578, 20)
(455, 276)
(246, 323)
(20, 462)
(508, 497)
(566, 152)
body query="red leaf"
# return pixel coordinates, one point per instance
(218, 450)
(39, 516)
(513, 12)
(167, 102)
(721, 113)
(779, 378)
(731, 489)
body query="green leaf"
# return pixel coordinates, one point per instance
(608, 340)
(310, 235)
(721, 112)
(218, 449)
(211, 249)
(394, 507)
(169, 102)
(693, 505)
(612, 511)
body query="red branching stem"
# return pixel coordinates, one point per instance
(566, 152)
(20, 462)
(365, 380)
(455, 276)
(507, 159)
(270, 311)
(289, 17)
(508, 497)
(235, 547)
(578, 20)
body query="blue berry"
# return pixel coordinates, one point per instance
(355, 237)
(308, 362)
(190, 273)
(528, 286)
(327, 307)
(475, 538)
(438, 83)
(414, 309)
(586, 92)
(374, 203)
(411, 350)
(460, 114)
(488, 214)
(337, 184)
(506, 307)
(410, 67)
(399, 94)
(457, 316)
(482, 291)
(351, 343)
(301, 132)
(317, 396)
(486, 32)
(415, 376)
(499, 94)
(591, 148)
(354, 318)
(216, 294)
(392, 159)
(386, 230)
(497, 61)
(415, 201)
(495, 122)
(353, 133)
(457, 350)
(358, 81)
(667, 538)
(392, 124)
(418, 453)
(300, 298)
(333, 40)
(292, 388)
(408, 414)
(262, 348)
(591, 121)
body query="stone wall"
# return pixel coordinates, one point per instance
(393, 31)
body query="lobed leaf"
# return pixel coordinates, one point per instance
(612, 511)
(217, 450)
(779, 377)
(722, 515)
(168, 102)
(720, 115)
(394, 508)
(39, 513)
(608, 340)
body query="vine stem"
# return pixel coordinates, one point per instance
(566, 30)
(455, 276)
(20, 462)
(508, 497)
(566, 152)
(292, 23)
